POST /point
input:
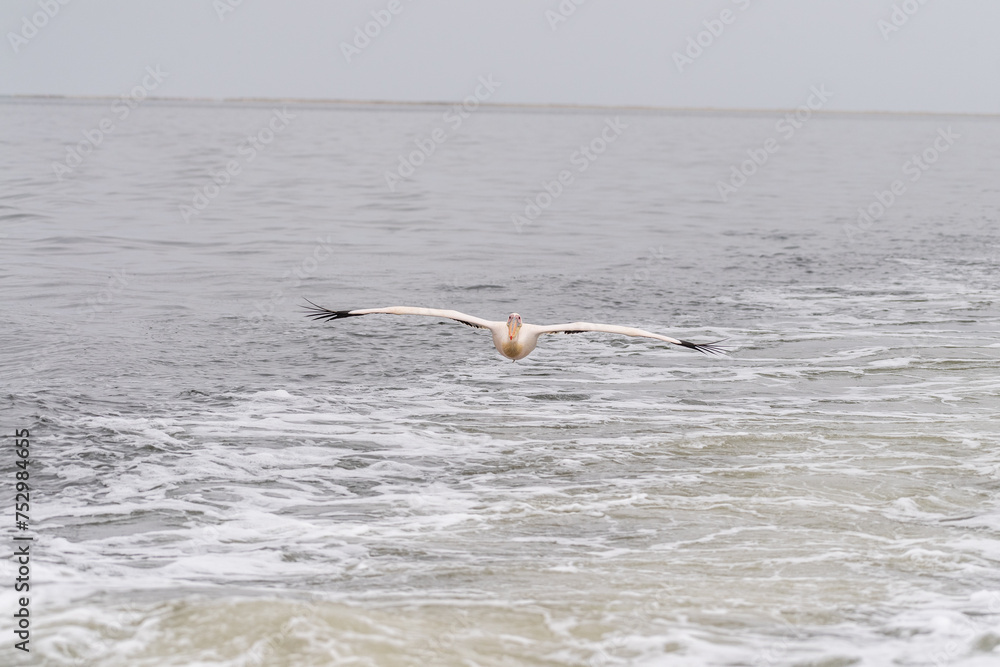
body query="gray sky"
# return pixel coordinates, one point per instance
(941, 56)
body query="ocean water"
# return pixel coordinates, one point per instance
(216, 480)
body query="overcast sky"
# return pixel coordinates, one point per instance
(888, 55)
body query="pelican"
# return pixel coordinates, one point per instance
(514, 338)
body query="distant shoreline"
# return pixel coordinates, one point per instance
(491, 105)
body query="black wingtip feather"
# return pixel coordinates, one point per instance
(322, 314)
(706, 348)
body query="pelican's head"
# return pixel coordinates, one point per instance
(513, 325)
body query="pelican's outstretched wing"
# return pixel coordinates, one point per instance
(320, 313)
(582, 327)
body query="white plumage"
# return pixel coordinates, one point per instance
(514, 339)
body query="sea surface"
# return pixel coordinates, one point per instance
(217, 480)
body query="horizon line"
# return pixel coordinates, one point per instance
(498, 105)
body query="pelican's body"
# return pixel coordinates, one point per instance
(517, 348)
(513, 338)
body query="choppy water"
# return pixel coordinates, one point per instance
(219, 481)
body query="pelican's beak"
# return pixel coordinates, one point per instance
(512, 328)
